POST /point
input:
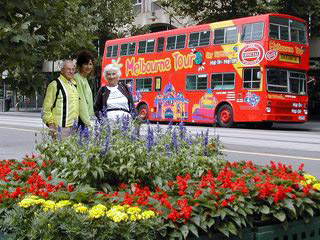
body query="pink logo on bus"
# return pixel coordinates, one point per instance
(251, 54)
(271, 55)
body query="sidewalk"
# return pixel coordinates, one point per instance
(29, 112)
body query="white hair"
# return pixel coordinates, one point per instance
(66, 62)
(111, 67)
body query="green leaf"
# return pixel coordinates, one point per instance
(265, 209)
(224, 229)
(310, 211)
(75, 173)
(95, 174)
(193, 229)
(289, 205)
(100, 171)
(196, 220)
(232, 228)
(281, 216)
(184, 230)
(210, 222)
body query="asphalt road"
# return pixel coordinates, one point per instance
(291, 144)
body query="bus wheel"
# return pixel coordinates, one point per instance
(143, 112)
(225, 116)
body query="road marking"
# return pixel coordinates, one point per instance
(271, 155)
(20, 129)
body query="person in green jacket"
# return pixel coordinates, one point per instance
(85, 62)
(61, 104)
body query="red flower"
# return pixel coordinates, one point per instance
(224, 203)
(70, 188)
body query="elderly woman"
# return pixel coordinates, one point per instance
(85, 69)
(115, 99)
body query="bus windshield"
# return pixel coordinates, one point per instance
(286, 81)
(288, 30)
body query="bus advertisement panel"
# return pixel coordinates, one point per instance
(251, 70)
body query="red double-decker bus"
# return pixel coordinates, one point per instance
(251, 70)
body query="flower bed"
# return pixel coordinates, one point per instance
(216, 199)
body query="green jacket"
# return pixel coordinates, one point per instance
(66, 110)
(86, 99)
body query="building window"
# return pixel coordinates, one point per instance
(223, 81)
(251, 78)
(144, 84)
(253, 31)
(176, 42)
(112, 51)
(199, 39)
(226, 35)
(197, 82)
(137, 6)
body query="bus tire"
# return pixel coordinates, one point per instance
(143, 112)
(225, 116)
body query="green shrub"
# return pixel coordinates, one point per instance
(110, 154)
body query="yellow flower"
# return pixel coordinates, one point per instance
(134, 210)
(148, 214)
(49, 205)
(27, 202)
(97, 211)
(63, 203)
(317, 186)
(309, 179)
(80, 208)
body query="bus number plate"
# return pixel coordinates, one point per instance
(289, 58)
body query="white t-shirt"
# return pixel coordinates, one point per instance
(117, 100)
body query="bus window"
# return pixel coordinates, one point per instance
(197, 82)
(176, 42)
(150, 46)
(112, 51)
(252, 31)
(115, 51)
(158, 84)
(124, 49)
(223, 81)
(287, 29)
(160, 44)
(109, 51)
(285, 81)
(199, 39)
(225, 35)
(132, 48)
(144, 84)
(181, 42)
(251, 78)
(142, 47)
(128, 82)
(146, 46)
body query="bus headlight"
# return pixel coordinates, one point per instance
(268, 109)
(306, 111)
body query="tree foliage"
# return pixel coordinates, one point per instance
(32, 31)
(206, 11)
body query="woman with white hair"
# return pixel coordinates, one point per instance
(115, 99)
